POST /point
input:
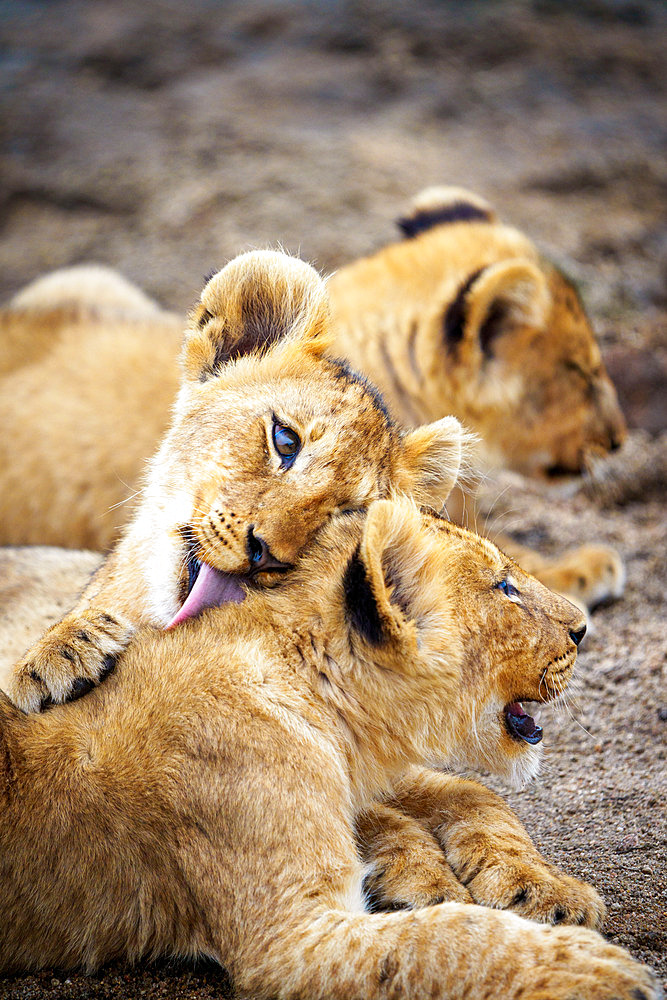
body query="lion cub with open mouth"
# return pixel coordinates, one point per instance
(203, 800)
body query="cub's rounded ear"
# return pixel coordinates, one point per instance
(435, 457)
(494, 301)
(258, 300)
(438, 206)
(381, 581)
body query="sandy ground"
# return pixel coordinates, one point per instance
(163, 138)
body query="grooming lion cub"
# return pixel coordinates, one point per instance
(268, 439)
(203, 800)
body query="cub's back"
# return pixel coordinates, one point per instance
(83, 400)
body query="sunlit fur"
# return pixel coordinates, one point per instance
(88, 372)
(521, 366)
(202, 801)
(88, 367)
(253, 353)
(466, 317)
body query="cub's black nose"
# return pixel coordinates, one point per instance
(260, 555)
(576, 635)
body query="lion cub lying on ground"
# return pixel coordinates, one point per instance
(263, 449)
(203, 801)
(464, 316)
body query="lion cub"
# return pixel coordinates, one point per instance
(464, 316)
(203, 801)
(268, 439)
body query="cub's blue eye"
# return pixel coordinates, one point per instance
(508, 589)
(287, 443)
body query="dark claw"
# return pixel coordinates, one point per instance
(80, 686)
(108, 666)
(376, 903)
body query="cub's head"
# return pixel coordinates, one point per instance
(269, 438)
(514, 339)
(450, 639)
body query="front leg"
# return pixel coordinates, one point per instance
(406, 866)
(81, 649)
(445, 952)
(71, 657)
(491, 853)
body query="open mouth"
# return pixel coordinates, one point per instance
(208, 587)
(520, 725)
(559, 472)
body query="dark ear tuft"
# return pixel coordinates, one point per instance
(455, 315)
(361, 610)
(496, 322)
(459, 211)
(210, 274)
(441, 206)
(203, 317)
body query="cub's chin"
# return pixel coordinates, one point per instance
(504, 742)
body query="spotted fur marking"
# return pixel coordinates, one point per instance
(343, 371)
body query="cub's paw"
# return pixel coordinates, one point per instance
(72, 657)
(590, 574)
(538, 892)
(568, 963)
(410, 879)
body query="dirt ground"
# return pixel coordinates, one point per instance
(164, 137)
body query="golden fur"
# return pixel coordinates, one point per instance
(214, 459)
(88, 372)
(39, 585)
(464, 316)
(89, 367)
(228, 830)
(218, 489)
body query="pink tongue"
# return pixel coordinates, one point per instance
(212, 588)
